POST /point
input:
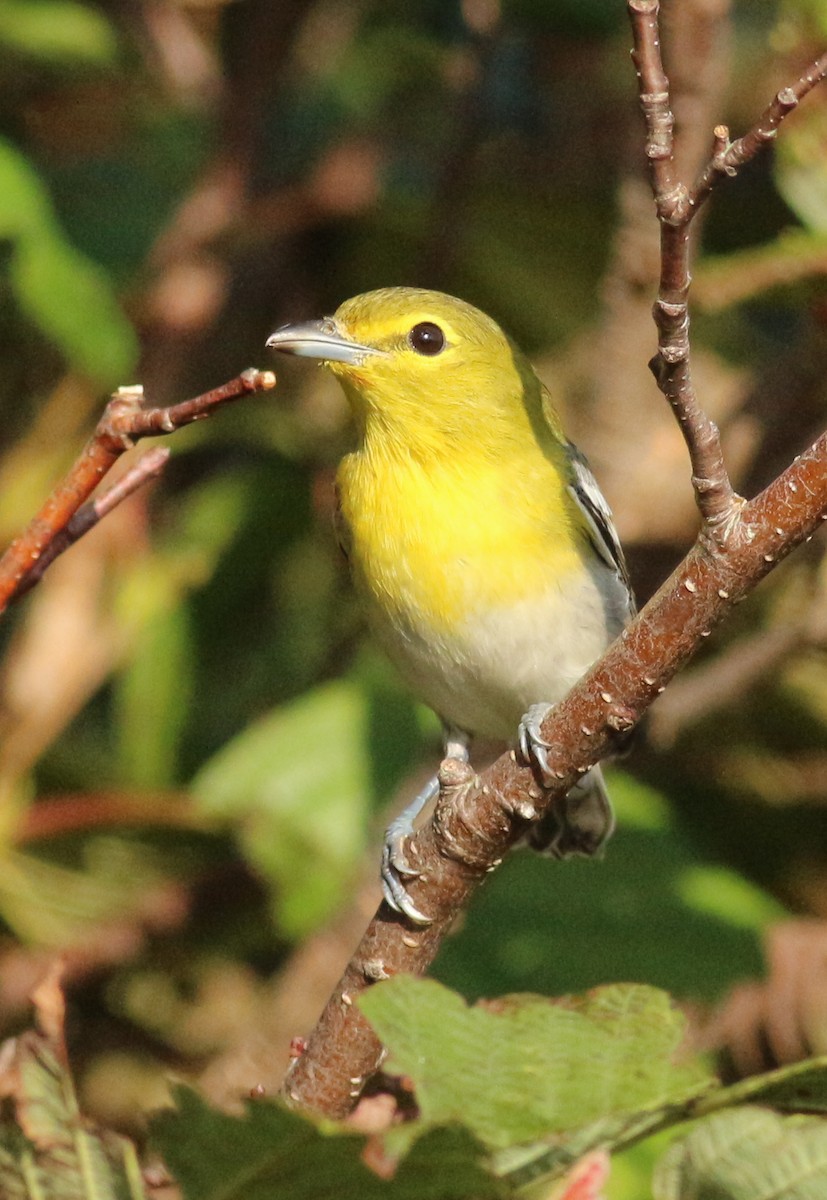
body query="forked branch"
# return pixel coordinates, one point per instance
(676, 204)
(65, 516)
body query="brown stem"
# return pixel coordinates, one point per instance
(654, 100)
(727, 158)
(89, 514)
(124, 421)
(623, 440)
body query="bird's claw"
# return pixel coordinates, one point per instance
(395, 863)
(395, 866)
(532, 745)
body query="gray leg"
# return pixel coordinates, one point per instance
(395, 864)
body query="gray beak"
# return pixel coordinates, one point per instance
(322, 340)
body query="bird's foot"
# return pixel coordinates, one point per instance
(395, 864)
(583, 821)
(532, 745)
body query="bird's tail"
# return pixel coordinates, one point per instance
(581, 824)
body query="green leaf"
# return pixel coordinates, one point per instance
(270, 1153)
(71, 299)
(152, 698)
(57, 31)
(50, 1151)
(726, 896)
(524, 1067)
(68, 296)
(746, 1154)
(300, 780)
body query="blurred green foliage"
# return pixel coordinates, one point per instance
(67, 296)
(198, 745)
(654, 909)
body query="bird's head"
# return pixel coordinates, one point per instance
(420, 366)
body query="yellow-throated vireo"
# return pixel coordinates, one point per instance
(478, 539)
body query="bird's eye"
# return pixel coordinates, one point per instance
(426, 338)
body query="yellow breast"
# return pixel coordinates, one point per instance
(432, 544)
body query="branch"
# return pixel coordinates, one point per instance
(150, 466)
(626, 441)
(65, 517)
(477, 819)
(676, 206)
(714, 494)
(728, 157)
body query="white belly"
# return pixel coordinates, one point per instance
(485, 674)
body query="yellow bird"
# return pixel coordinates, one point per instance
(478, 539)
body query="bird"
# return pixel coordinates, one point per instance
(480, 544)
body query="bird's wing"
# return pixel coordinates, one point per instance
(600, 526)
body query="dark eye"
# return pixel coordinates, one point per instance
(426, 338)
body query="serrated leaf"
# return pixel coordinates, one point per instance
(44, 1096)
(49, 1150)
(525, 1067)
(270, 1153)
(746, 1154)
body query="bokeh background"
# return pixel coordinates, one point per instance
(199, 745)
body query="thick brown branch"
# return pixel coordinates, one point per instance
(124, 421)
(478, 819)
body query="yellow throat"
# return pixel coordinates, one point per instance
(455, 499)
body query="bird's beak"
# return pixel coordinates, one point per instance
(322, 340)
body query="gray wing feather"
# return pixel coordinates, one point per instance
(588, 497)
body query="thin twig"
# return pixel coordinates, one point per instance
(124, 422)
(149, 466)
(728, 157)
(622, 440)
